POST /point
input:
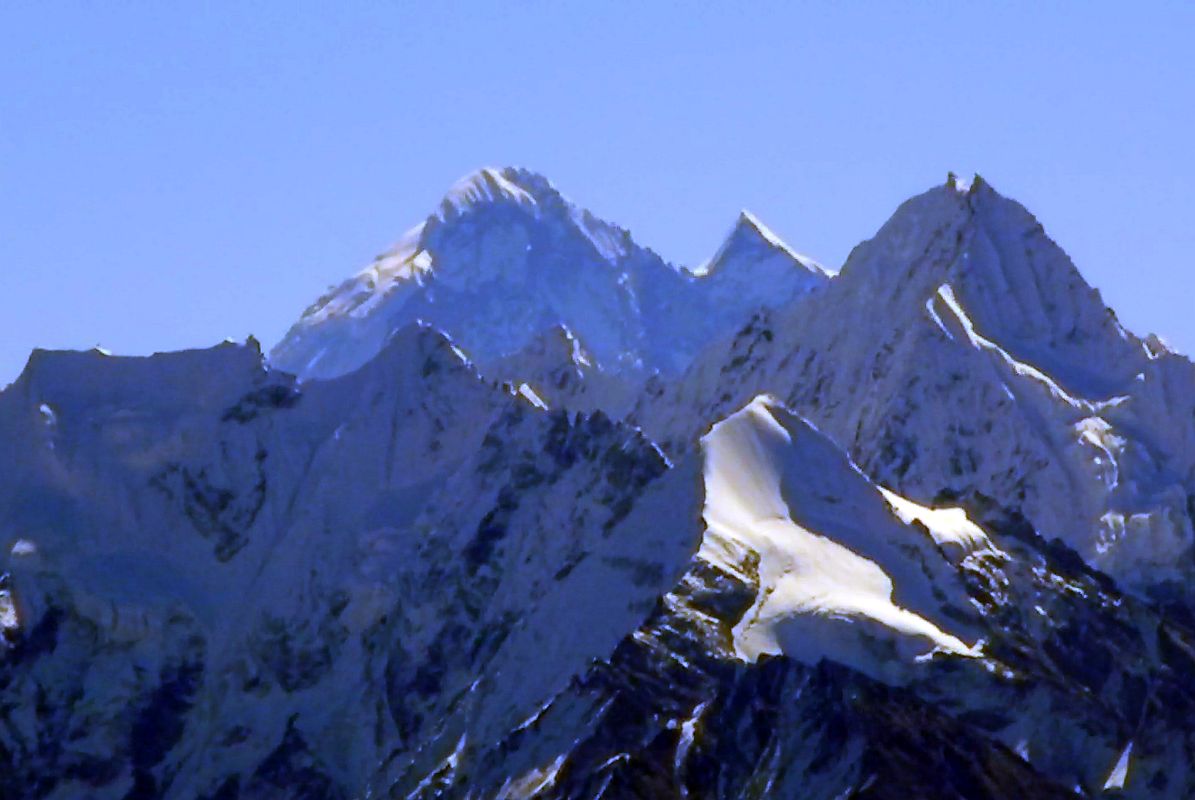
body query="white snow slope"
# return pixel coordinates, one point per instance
(840, 574)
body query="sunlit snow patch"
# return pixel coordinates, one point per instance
(47, 414)
(961, 319)
(9, 622)
(1120, 772)
(831, 556)
(528, 394)
(950, 528)
(23, 547)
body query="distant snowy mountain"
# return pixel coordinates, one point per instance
(506, 257)
(563, 521)
(960, 354)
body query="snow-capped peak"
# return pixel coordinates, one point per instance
(488, 185)
(507, 238)
(749, 222)
(750, 240)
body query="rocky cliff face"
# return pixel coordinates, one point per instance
(204, 576)
(921, 530)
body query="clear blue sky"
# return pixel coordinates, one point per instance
(171, 177)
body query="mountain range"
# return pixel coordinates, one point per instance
(521, 510)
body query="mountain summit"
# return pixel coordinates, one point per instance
(750, 240)
(506, 257)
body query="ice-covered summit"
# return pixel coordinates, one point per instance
(506, 256)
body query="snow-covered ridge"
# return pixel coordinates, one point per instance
(832, 558)
(405, 261)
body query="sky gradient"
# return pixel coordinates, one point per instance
(169, 178)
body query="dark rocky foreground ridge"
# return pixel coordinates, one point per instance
(547, 517)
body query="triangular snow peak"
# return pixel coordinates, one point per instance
(838, 570)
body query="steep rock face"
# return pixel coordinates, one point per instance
(1069, 687)
(556, 368)
(959, 350)
(506, 257)
(200, 556)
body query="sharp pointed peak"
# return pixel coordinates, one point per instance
(749, 220)
(750, 234)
